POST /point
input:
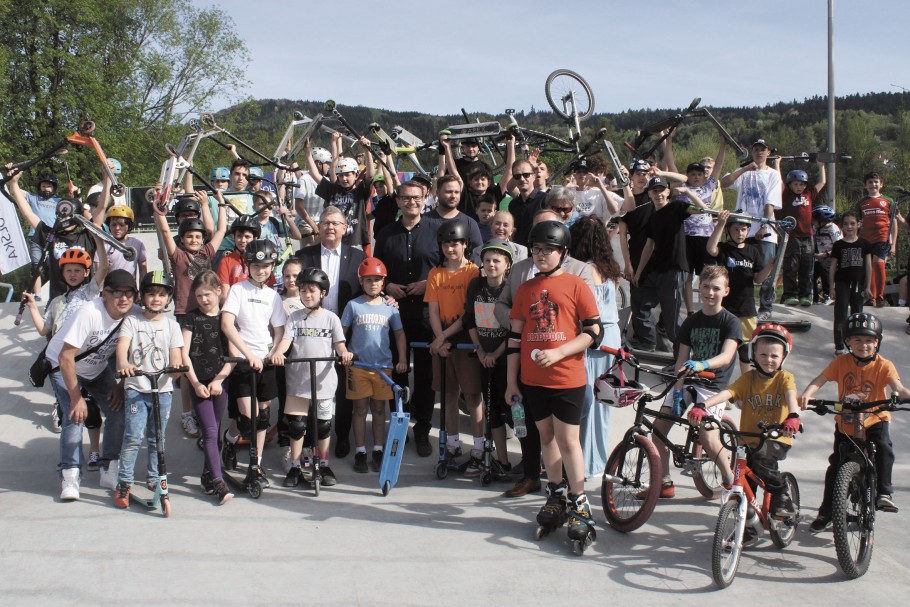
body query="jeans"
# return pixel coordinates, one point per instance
(880, 434)
(140, 423)
(798, 268)
(663, 289)
(71, 455)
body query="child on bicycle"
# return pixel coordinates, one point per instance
(446, 293)
(863, 375)
(367, 320)
(708, 340)
(203, 339)
(850, 276)
(767, 394)
(148, 342)
(312, 332)
(554, 319)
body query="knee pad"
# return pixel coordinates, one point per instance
(743, 351)
(323, 428)
(245, 425)
(296, 426)
(93, 419)
(262, 420)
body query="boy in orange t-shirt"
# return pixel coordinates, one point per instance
(879, 228)
(554, 319)
(861, 374)
(447, 290)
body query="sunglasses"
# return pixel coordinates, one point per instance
(522, 175)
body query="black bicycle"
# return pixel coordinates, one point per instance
(631, 480)
(855, 486)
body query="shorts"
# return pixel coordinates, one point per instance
(325, 407)
(462, 372)
(240, 387)
(717, 411)
(367, 383)
(562, 403)
(697, 254)
(748, 324)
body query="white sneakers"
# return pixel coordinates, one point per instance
(109, 476)
(70, 485)
(190, 427)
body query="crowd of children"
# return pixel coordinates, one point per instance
(237, 291)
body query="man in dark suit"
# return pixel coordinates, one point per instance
(340, 262)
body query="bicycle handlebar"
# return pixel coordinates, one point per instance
(426, 344)
(728, 435)
(627, 357)
(823, 406)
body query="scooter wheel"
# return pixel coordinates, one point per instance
(165, 507)
(540, 533)
(386, 487)
(255, 490)
(442, 470)
(200, 443)
(486, 478)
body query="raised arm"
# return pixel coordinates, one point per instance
(19, 197)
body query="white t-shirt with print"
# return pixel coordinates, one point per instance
(255, 308)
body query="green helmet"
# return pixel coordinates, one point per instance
(156, 278)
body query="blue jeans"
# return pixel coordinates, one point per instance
(71, 455)
(139, 423)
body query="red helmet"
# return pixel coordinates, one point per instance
(371, 266)
(773, 331)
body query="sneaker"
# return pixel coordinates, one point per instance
(286, 460)
(453, 453)
(820, 523)
(189, 424)
(108, 478)
(885, 503)
(207, 482)
(790, 301)
(69, 489)
(782, 506)
(881, 303)
(805, 302)
(376, 462)
(328, 477)
(750, 537)
(473, 467)
(293, 477)
(825, 301)
(422, 444)
(221, 492)
(667, 490)
(56, 424)
(360, 462)
(764, 316)
(94, 459)
(122, 495)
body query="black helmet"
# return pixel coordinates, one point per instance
(313, 276)
(863, 323)
(156, 278)
(247, 222)
(452, 229)
(48, 178)
(260, 251)
(190, 225)
(550, 233)
(187, 204)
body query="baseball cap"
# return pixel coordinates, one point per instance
(581, 165)
(656, 182)
(119, 279)
(761, 142)
(639, 165)
(695, 166)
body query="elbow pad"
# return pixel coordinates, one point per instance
(595, 337)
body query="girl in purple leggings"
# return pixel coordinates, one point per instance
(204, 345)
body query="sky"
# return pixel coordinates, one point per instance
(438, 57)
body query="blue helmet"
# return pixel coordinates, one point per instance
(797, 175)
(824, 212)
(116, 167)
(221, 174)
(256, 172)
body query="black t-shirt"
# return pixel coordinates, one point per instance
(475, 239)
(468, 202)
(408, 256)
(79, 239)
(666, 230)
(385, 209)
(637, 221)
(464, 166)
(742, 266)
(353, 204)
(480, 302)
(705, 335)
(208, 344)
(523, 213)
(851, 260)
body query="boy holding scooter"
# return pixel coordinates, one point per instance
(148, 342)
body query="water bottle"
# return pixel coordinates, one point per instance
(518, 417)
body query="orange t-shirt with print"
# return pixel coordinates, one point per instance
(449, 289)
(552, 308)
(866, 383)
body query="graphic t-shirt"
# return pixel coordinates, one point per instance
(479, 313)
(800, 209)
(150, 344)
(705, 335)
(851, 260)
(551, 308)
(865, 383)
(353, 204)
(763, 400)
(254, 309)
(701, 224)
(208, 344)
(370, 326)
(450, 290)
(91, 326)
(742, 265)
(187, 266)
(875, 213)
(754, 190)
(312, 336)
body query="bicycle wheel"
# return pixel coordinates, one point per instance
(853, 525)
(561, 84)
(631, 483)
(784, 535)
(728, 544)
(707, 477)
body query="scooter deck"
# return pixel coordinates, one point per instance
(394, 449)
(158, 494)
(798, 326)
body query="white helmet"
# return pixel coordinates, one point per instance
(346, 165)
(617, 392)
(321, 155)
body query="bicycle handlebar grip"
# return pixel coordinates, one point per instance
(706, 375)
(609, 350)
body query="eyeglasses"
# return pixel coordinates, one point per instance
(121, 293)
(543, 250)
(333, 224)
(410, 198)
(522, 175)
(563, 210)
